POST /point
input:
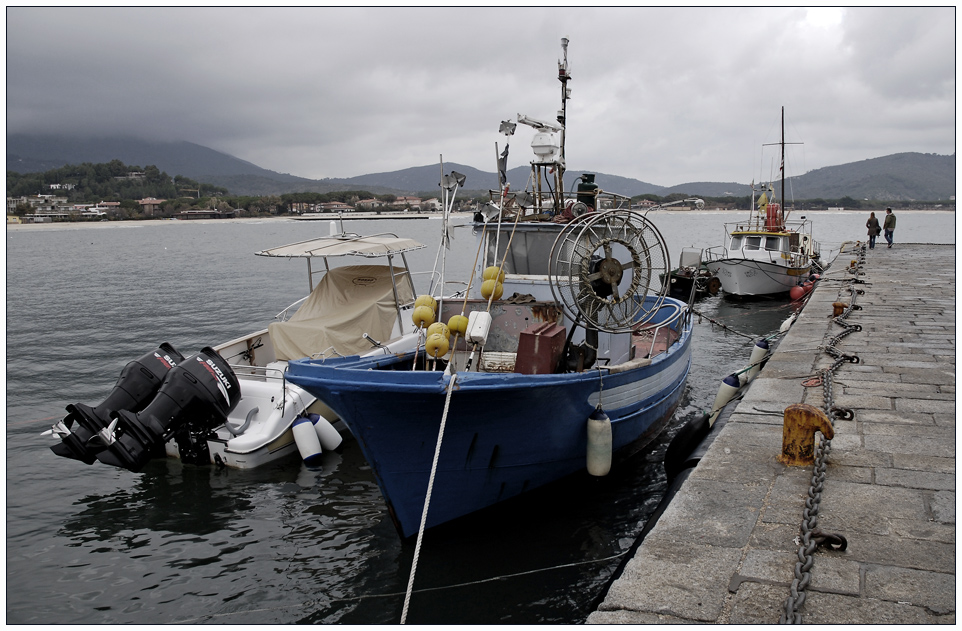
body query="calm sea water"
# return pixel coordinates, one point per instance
(284, 544)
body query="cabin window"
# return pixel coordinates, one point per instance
(736, 243)
(752, 243)
(772, 243)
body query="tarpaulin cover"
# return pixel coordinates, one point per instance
(347, 303)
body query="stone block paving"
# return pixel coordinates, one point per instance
(725, 549)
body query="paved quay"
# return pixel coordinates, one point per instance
(725, 550)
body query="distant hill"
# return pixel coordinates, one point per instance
(898, 177)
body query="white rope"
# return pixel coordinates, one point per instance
(321, 602)
(427, 499)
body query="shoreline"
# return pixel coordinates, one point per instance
(77, 225)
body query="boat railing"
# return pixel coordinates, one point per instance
(260, 372)
(283, 315)
(761, 253)
(757, 224)
(544, 202)
(672, 327)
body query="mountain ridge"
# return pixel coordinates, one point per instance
(898, 177)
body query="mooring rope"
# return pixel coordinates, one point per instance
(427, 498)
(362, 597)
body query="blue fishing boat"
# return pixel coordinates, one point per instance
(564, 353)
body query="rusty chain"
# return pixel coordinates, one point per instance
(811, 535)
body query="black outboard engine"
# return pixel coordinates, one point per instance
(200, 392)
(135, 388)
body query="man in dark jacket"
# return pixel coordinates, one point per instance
(889, 225)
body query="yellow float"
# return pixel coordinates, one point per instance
(423, 316)
(437, 345)
(491, 286)
(458, 324)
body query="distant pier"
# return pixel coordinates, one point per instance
(728, 548)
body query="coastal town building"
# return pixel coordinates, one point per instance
(407, 200)
(150, 205)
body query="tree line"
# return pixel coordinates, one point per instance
(115, 181)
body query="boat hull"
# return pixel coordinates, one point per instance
(747, 277)
(505, 434)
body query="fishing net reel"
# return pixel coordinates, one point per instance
(603, 265)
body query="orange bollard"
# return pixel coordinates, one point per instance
(801, 421)
(838, 308)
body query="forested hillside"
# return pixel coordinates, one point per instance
(111, 181)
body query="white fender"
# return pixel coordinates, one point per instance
(307, 442)
(759, 351)
(599, 443)
(729, 388)
(329, 437)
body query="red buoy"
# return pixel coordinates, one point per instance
(799, 291)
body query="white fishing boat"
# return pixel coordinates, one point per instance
(240, 410)
(768, 254)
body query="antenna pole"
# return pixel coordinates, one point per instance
(564, 75)
(781, 209)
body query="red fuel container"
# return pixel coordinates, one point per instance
(539, 349)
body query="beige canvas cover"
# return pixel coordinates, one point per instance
(347, 303)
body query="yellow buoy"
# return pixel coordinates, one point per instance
(436, 345)
(458, 324)
(423, 316)
(440, 328)
(425, 300)
(491, 286)
(493, 272)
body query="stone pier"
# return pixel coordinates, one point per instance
(725, 550)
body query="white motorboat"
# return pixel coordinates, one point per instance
(363, 309)
(767, 254)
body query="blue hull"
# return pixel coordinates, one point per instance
(505, 434)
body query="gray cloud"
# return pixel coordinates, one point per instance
(665, 95)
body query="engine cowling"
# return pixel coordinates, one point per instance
(136, 387)
(200, 391)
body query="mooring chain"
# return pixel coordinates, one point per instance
(811, 536)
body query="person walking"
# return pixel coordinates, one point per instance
(873, 230)
(889, 225)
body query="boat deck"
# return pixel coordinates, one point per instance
(728, 539)
(650, 343)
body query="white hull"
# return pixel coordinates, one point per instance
(261, 437)
(745, 277)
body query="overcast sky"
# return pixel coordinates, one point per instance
(664, 95)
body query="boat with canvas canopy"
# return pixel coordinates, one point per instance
(237, 409)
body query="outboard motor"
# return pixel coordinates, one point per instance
(135, 388)
(197, 393)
